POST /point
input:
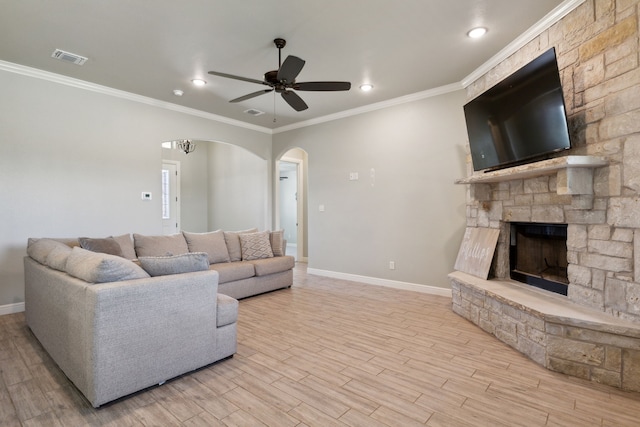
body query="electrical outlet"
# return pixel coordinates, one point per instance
(146, 195)
(392, 265)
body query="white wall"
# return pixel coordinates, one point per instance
(410, 213)
(74, 162)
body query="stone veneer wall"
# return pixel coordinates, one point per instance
(598, 56)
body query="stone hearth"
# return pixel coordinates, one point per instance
(560, 335)
(593, 332)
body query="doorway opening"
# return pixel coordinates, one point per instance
(291, 201)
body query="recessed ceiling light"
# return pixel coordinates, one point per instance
(178, 92)
(476, 33)
(198, 82)
(366, 87)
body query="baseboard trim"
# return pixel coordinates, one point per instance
(11, 308)
(425, 289)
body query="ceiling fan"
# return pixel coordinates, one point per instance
(284, 78)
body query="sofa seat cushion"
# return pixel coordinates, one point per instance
(227, 310)
(94, 267)
(173, 244)
(268, 266)
(232, 271)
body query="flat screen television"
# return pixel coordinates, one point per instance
(520, 119)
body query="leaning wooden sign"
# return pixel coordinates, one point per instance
(476, 251)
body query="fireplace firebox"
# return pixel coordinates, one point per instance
(538, 255)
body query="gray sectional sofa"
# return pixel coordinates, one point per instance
(119, 315)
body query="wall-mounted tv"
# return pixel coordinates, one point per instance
(520, 119)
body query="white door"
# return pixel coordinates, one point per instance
(170, 197)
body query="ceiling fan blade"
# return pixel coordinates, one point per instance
(290, 69)
(294, 100)
(244, 79)
(251, 95)
(322, 86)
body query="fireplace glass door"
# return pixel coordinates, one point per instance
(538, 255)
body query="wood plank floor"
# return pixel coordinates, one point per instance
(327, 353)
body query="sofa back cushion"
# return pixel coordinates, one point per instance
(177, 264)
(212, 243)
(126, 245)
(233, 243)
(107, 245)
(173, 244)
(94, 267)
(49, 252)
(277, 242)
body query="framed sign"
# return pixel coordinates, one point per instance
(476, 251)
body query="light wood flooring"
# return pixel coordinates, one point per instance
(327, 353)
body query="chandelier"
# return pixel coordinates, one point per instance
(186, 145)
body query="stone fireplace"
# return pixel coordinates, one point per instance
(592, 332)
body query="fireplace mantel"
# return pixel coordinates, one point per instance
(574, 173)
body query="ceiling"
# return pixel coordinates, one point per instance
(151, 47)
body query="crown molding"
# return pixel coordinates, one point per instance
(545, 23)
(551, 18)
(105, 90)
(373, 107)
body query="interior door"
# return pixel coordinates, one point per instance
(170, 196)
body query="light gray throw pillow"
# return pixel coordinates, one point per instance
(212, 243)
(95, 267)
(178, 264)
(255, 246)
(173, 244)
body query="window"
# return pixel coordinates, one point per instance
(166, 195)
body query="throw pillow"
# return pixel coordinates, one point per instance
(107, 245)
(126, 245)
(178, 264)
(277, 242)
(233, 243)
(212, 243)
(173, 244)
(255, 246)
(95, 267)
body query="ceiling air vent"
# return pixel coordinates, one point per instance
(68, 57)
(254, 112)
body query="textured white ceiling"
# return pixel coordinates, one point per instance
(150, 47)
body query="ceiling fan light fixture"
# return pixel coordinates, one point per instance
(198, 82)
(366, 87)
(477, 32)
